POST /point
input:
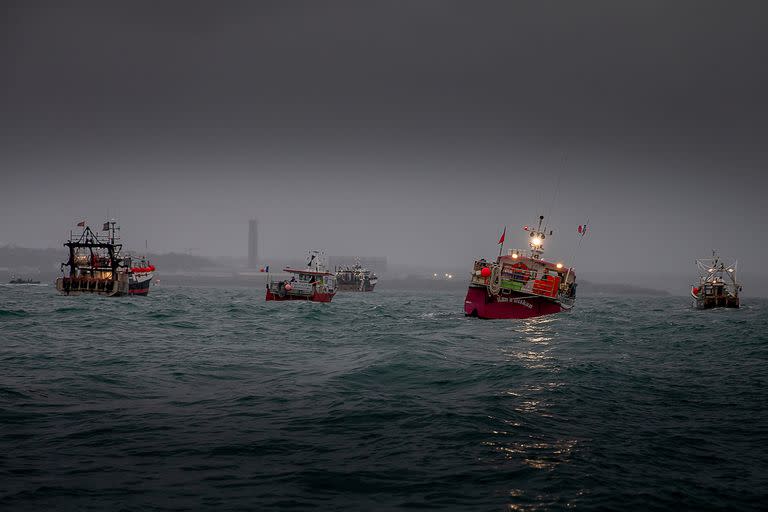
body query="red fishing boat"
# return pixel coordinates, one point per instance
(313, 283)
(521, 284)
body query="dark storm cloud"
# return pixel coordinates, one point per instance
(421, 127)
(567, 68)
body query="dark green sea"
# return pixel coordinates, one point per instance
(211, 398)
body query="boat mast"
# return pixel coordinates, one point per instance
(537, 240)
(112, 223)
(712, 271)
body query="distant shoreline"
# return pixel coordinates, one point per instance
(187, 270)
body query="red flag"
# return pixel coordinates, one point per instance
(503, 235)
(81, 224)
(580, 228)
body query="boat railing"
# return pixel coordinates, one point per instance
(541, 282)
(296, 287)
(715, 290)
(87, 284)
(301, 287)
(508, 273)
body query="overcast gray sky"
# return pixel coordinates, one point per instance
(413, 130)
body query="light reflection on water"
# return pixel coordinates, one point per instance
(531, 403)
(536, 453)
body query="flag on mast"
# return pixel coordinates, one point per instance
(501, 240)
(81, 224)
(583, 229)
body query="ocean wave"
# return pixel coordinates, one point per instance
(214, 398)
(13, 313)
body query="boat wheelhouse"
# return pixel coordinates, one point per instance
(313, 283)
(718, 286)
(520, 284)
(97, 266)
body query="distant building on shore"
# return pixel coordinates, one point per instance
(253, 243)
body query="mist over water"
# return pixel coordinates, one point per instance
(213, 398)
(414, 132)
(408, 131)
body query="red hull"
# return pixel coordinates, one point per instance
(515, 305)
(317, 297)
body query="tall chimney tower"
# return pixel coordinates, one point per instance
(253, 243)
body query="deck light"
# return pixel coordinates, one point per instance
(536, 241)
(559, 265)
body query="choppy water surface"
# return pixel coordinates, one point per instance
(213, 398)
